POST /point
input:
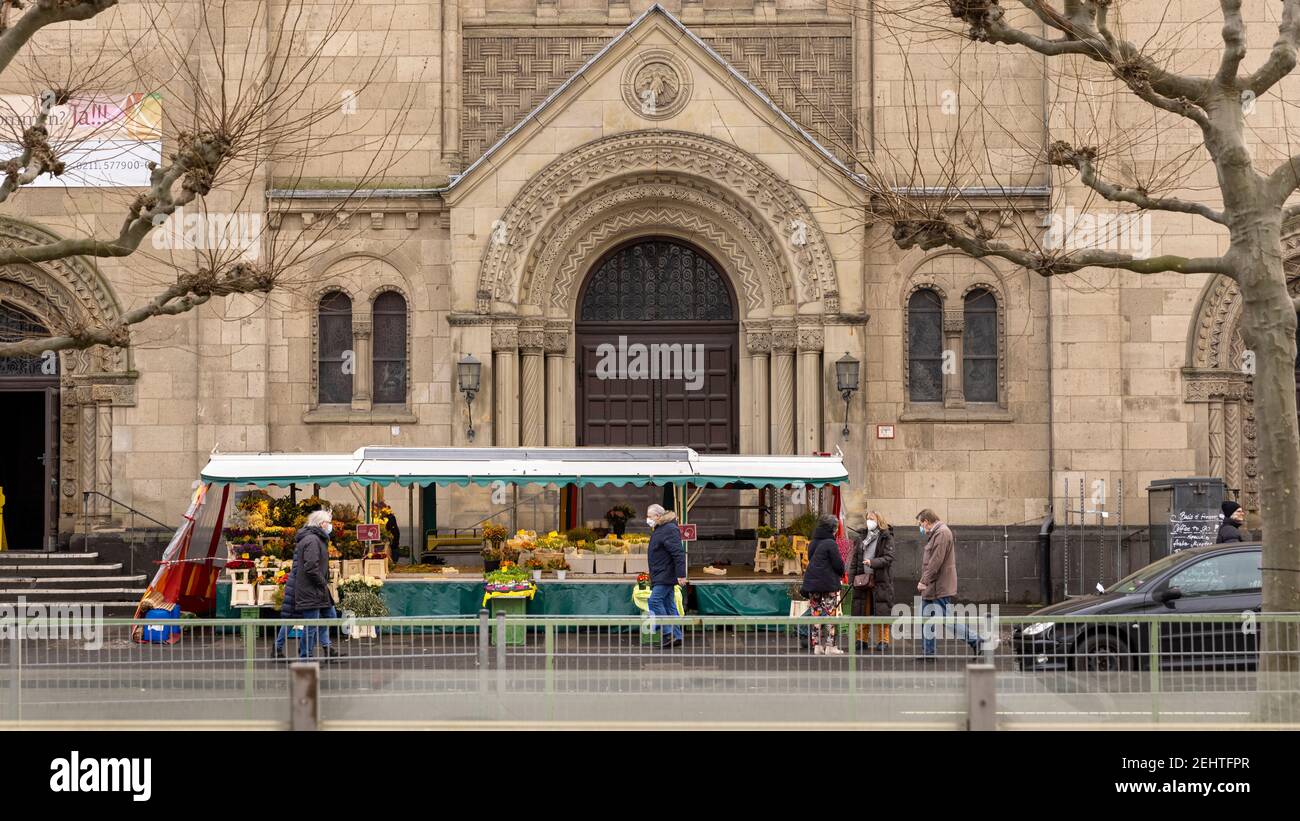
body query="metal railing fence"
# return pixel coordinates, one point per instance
(1165, 670)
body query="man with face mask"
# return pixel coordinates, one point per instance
(938, 584)
(667, 560)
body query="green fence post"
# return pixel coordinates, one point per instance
(1153, 661)
(550, 671)
(249, 615)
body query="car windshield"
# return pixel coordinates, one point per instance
(1138, 580)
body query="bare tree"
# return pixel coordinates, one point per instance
(1184, 83)
(251, 94)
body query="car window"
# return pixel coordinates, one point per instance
(1135, 582)
(1229, 573)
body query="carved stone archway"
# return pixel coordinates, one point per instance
(708, 164)
(1218, 375)
(62, 294)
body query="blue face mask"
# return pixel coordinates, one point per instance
(922, 529)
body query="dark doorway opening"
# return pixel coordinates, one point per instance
(29, 407)
(657, 360)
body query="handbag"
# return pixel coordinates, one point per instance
(864, 580)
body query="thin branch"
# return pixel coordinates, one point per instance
(929, 234)
(45, 13)
(1282, 59)
(1084, 161)
(1234, 42)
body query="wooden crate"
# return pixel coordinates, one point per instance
(377, 568)
(353, 567)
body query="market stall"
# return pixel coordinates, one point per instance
(233, 520)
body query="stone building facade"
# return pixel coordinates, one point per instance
(716, 141)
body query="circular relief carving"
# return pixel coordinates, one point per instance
(656, 84)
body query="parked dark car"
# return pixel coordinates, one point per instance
(1217, 579)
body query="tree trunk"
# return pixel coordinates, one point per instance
(1268, 327)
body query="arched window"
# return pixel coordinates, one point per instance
(656, 280)
(979, 347)
(925, 347)
(389, 357)
(17, 325)
(335, 356)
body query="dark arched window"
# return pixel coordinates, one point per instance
(15, 326)
(656, 279)
(925, 347)
(335, 356)
(979, 347)
(389, 358)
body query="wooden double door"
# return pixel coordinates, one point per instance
(657, 363)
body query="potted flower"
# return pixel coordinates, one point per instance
(536, 566)
(494, 537)
(560, 566)
(359, 597)
(783, 549)
(643, 581)
(618, 516)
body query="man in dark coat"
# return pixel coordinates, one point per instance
(1233, 518)
(821, 583)
(667, 560)
(310, 577)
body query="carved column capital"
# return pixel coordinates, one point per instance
(361, 328)
(811, 338)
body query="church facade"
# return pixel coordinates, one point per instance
(598, 182)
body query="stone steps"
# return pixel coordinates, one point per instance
(53, 580)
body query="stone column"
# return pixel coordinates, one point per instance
(104, 451)
(760, 356)
(558, 399)
(1234, 469)
(362, 370)
(811, 340)
(954, 389)
(87, 425)
(532, 405)
(784, 342)
(451, 42)
(505, 393)
(1216, 438)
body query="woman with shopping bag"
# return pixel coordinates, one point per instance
(872, 575)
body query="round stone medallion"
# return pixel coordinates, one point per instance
(656, 84)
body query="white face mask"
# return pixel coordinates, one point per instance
(871, 524)
(650, 521)
(328, 527)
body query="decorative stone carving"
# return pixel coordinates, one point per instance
(954, 322)
(505, 338)
(557, 342)
(532, 338)
(662, 152)
(785, 337)
(811, 338)
(656, 84)
(671, 205)
(809, 74)
(361, 328)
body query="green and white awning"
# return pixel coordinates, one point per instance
(525, 466)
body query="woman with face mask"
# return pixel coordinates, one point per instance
(872, 576)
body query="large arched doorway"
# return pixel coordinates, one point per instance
(657, 338)
(29, 471)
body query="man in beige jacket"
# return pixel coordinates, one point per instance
(938, 584)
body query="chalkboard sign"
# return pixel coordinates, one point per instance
(1192, 528)
(1183, 512)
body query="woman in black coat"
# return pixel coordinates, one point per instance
(873, 578)
(821, 583)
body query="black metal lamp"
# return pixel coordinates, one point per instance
(846, 381)
(468, 373)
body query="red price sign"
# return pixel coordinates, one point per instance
(368, 533)
(688, 532)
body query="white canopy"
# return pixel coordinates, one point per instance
(522, 466)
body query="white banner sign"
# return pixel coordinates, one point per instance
(104, 141)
